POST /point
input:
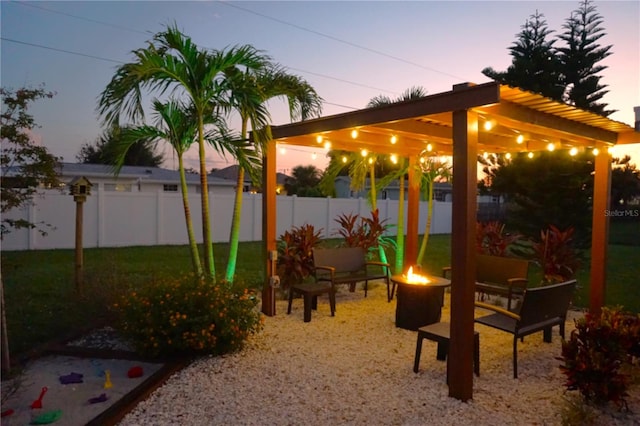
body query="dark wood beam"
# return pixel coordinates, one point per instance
(599, 232)
(472, 96)
(463, 255)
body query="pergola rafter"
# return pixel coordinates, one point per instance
(453, 122)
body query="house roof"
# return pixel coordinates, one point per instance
(429, 120)
(231, 173)
(146, 174)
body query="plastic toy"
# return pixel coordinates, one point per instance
(107, 381)
(38, 402)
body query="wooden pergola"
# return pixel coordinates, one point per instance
(468, 120)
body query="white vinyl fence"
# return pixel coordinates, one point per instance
(118, 219)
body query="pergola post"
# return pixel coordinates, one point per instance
(600, 231)
(269, 225)
(413, 210)
(463, 255)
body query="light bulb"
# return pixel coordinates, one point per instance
(354, 133)
(573, 151)
(520, 139)
(394, 139)
(364, 152)
(319, 139)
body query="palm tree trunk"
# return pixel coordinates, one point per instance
(234, 235)
(204, 192)
(400, 227)
(374, 206)
(425, 237)
(195, 256)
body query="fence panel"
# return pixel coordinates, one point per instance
(116, 219)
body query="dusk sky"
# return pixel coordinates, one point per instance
(349, 51)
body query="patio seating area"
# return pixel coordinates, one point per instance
(357, 368)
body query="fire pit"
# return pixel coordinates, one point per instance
(420, 299)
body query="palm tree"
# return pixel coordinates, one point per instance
(414, 92)
(248, 92)
(176, 125)
(171, 61)
(432, 170)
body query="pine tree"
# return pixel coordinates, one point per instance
(579, 59)
(535, 65)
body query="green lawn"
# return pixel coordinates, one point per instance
(39, 285)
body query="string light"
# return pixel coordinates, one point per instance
(488, 125)
(530, 155)
(551, 146)
(370, 160)
(354, 133)
(327, 145)
(520, 139)
(319, 139)
(344, 158)
(364, 152)
(507, 156)
(429, 147)
(394, 139)
(595, 151)
(573, 151)
(394, 159)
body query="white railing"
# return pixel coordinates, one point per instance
(117, 219)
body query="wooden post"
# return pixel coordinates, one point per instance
(269, 225)
(413, 214)
(463, 255)
(600, 231)
(79, 254)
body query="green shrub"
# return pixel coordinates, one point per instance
(596, 351)
(187, 316)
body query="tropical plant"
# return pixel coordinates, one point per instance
(550, 188)
(175, 124)
(187, 316)
(595, 352)
(492, 240)
(359, 231)
(556, 254)
(295, 254)
(106, 150)
(304, 182)
(171, 61)
(247, 93)
(432, 170)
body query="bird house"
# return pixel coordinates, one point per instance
(80, 187)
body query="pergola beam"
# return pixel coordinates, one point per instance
(544, 123)
(473, 96)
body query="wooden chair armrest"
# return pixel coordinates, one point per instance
(445, 270)
(518, 282)
(376, 263)
(497, 309)
(327, 268)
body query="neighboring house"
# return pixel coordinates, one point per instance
(231, 173)
(442, 191)
(140, 179)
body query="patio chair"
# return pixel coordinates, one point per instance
(542, 308)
